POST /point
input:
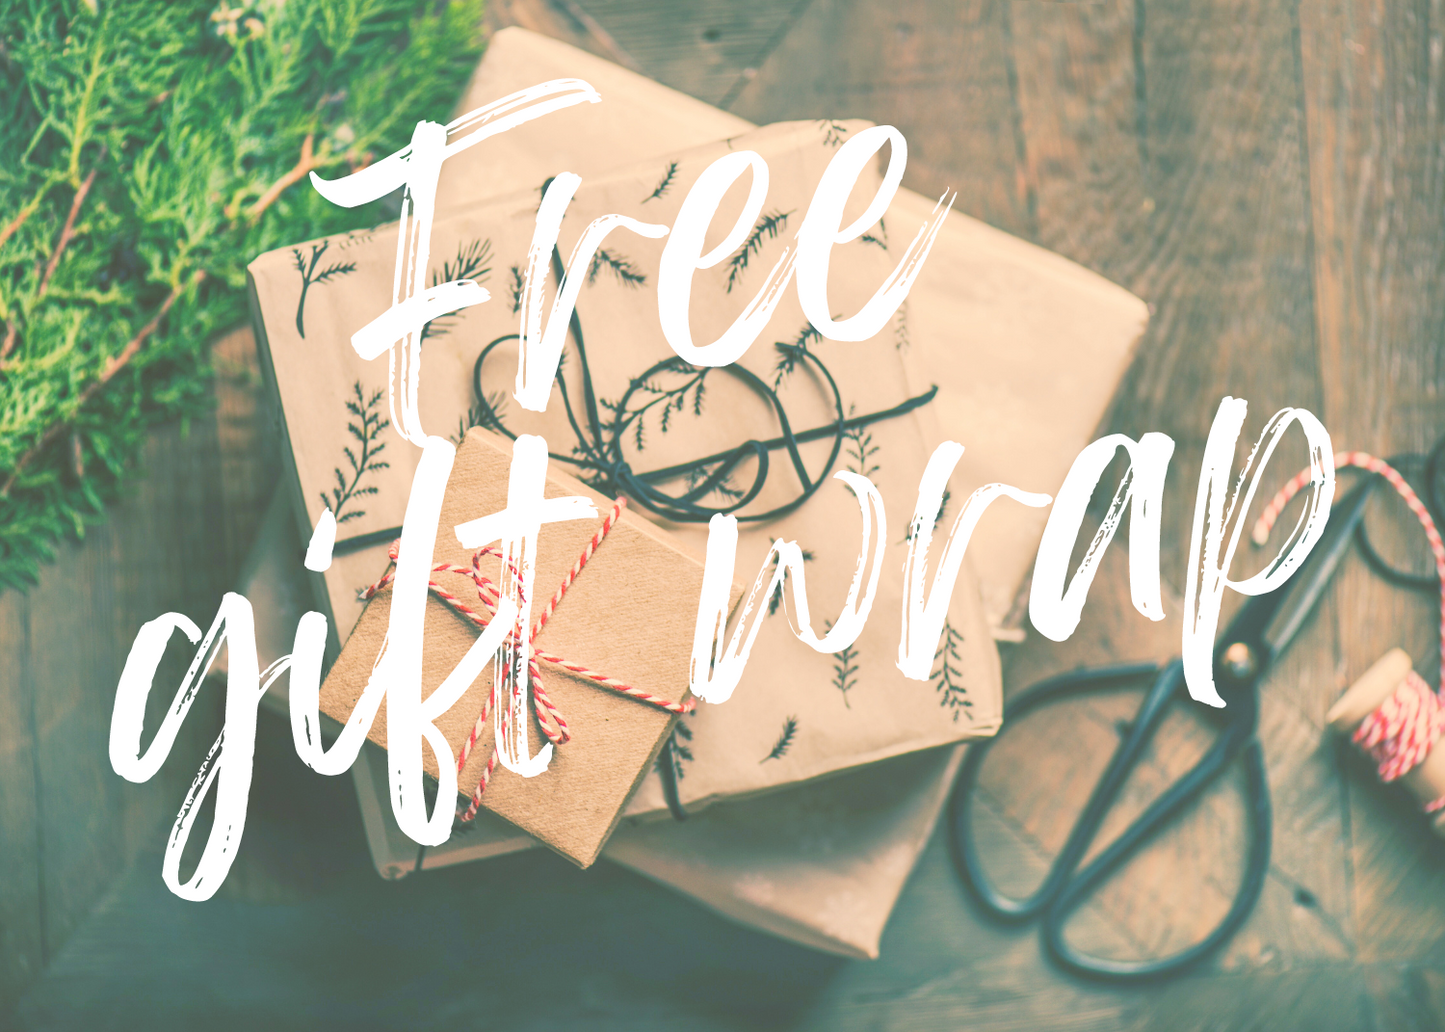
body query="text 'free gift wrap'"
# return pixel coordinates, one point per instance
(628, 615)
(858, 407)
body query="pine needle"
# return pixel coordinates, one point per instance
(784, 742)
(153, 151)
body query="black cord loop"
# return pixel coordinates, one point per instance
(598, 451)
(1433, 496)
(1067, 885)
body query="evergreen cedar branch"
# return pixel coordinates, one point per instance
(152, 151)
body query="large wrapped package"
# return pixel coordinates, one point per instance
(1025, 348)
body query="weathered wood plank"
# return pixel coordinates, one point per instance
(562, 20)
(156, 552)
(940, 70)
(1374, 88)
(1082, 97)
(22, 928)
(706, 48)
(247, 442)
(1164, 144)
(70, 825)
(1189, 187)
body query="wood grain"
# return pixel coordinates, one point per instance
(1373, 92)
(1269, 176)
(22, 925)
(70, 826)
(940, 70)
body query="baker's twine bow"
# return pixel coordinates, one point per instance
(1403, 729)
(549, 718)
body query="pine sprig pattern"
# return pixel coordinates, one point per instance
(880, 239)
(776, 599)
(722, 489)
(489, 416)
(785, 741)
(860, 449)
(947, 675)
(152, 152)
(845, 670)
(768, 227)
(833, 132)
(900, 327)
(664, 184)
(942, 512)
(365, 427)
(662, 400)
(515, 287)
(472, 262)
(791, 354)
(622, 267)
(310, 277)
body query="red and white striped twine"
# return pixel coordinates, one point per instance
(549, 718)
(1403, 729)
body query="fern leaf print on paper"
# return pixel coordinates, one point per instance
(516, 288)
(365, 427)
(947, 676)
(791, 355)
(784, 742)
(845, 672)
(833, 133)
(664, 184)
(845, 668)
(769, 226)
(861, 450)
(473, 262)
(622, 267)
(942, 511)
(663, 399)
(310, 277)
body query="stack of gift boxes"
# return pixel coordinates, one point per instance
(799, 805)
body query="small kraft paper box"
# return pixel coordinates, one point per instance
(821, 864)
(627, 615)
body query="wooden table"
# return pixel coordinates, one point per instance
(1269, 176)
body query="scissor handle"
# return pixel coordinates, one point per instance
(1063, 890)
(1236, 738)
(1010, 909)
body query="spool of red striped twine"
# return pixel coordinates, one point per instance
(1390, 713)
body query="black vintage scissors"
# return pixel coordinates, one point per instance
(1258, 634)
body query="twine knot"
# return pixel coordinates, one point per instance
(549, 719)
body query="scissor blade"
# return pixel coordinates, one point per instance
(1310, 581)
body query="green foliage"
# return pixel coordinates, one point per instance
(175, 138)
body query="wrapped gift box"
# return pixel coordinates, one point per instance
(983, 297)
(798, 714)
(821, 864)
(620, 617)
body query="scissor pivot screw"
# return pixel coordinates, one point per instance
(1239, 661)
